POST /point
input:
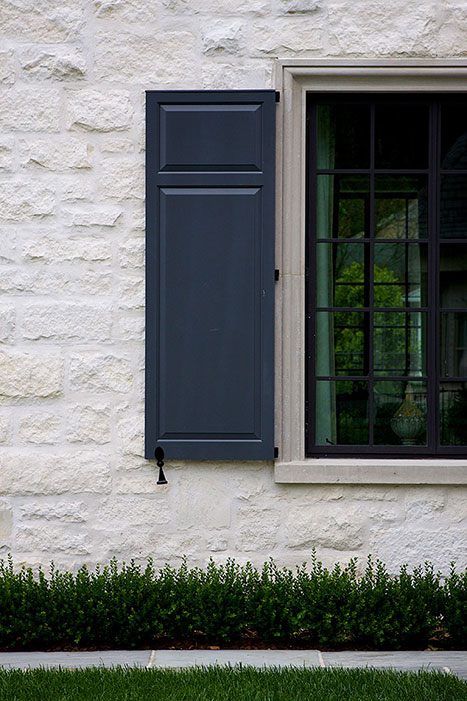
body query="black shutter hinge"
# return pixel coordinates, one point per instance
(278, 96)
(276, 274)
(276, 452)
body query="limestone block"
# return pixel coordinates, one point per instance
(100, 372)
(112, 143)
(257, 528)
(426, 507)
(39, 428)
(292, 6)
(131, 253)
(373, 493)
(125, 512)
(287, 36)
(88, 423)
(67, 321)
(131, 292)
(7, 68)
(131, 328)
(374, 28)
(103, 111)
(6, 523)
(151, 58)
(58, 156)
(6, 153)
(27, 375)
(55, 249)
(122, 178)
(254, 75)
(74, 188)
(93, 283)
(67, 511)
(30, 108)
(50, 538)
(223, 36)
(47, 20)
(126, 10)
(325, 527)
(17, 280)
(441, 543)
(139, 481)
(22, 199)
(216, 8)
(5, 425)
(97, 215)
(7, 324)
(8, 238)
(37, 473)
(58, 63)
(131, 435)
(452, 32)
(216, 544)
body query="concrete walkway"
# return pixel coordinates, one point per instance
(454, 662)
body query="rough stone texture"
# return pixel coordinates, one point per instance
(22, 199)
(7, 324)
(89, 424)
(93, 110)
(56, 155)
(33, 473)
(30, 108)
(75, 485)
(67, 322)
(39, 428)
(100, 372)
(48, 249)
(29, 375)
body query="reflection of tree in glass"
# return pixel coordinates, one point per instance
(454, 423)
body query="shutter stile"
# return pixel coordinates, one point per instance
(210, 274)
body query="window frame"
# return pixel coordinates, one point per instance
(294, 79)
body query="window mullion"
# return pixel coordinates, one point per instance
(370, 281)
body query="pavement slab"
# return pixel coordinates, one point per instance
(73, 660)
(406, 660)
(252, 658)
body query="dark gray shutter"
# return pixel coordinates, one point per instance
(210, 274)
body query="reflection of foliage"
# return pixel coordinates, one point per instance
(454, 428)
(352, 413)
(349, 340)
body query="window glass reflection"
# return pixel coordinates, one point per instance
(399, 275)
(453, 276)
(343, 415)
(453, 136)
(343, 136)
(453, 413)
(400, 206)
(400, 413)
(454, 344)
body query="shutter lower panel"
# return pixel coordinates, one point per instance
(210, 274)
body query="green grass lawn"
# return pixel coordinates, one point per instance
(226, 683)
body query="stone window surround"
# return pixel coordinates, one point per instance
(294, 78)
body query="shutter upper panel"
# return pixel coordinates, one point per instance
(210, 274)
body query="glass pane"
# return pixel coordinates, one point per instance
(340, 343)
(454, 344)
(400, 275)
(341, 412)
(400, 413)
(343, 136)
(453, 413)
(400, 206)
(343, 206)
(453, 217)
(453, 276)
(340, 274)
(454, 136)
(401, 133)
(399, 343)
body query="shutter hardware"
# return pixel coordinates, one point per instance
(276, 274)
(278, 96)
(159, 455)
(276, 452)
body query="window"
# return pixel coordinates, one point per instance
(409, 80)
(386, 284)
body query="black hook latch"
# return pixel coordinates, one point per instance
(159, 455)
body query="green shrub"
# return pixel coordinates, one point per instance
(129, 606)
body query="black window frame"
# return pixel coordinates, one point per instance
(434, 171)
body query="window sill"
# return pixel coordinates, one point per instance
(368, 471)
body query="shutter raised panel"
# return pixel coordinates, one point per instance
(210, 274)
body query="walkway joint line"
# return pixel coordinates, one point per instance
(151, 659)
(320, 658)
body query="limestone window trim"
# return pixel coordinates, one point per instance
(294, 78)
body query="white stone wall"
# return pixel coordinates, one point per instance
(74, 486)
